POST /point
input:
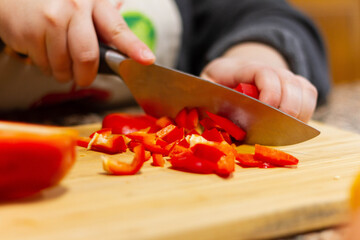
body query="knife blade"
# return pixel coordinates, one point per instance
(162, 91)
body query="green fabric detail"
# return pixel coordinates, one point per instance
(142, 26)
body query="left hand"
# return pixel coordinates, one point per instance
(278, 87)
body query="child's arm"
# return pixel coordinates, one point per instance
(263, 66)
(60, 36)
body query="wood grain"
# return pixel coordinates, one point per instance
(162, 203)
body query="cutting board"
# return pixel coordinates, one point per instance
(162, 203)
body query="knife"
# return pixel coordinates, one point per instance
(162, 91)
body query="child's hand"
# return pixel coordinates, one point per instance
(60, 36)
(278, 86)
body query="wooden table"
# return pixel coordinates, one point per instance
(161, 203)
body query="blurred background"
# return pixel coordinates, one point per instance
(339, 21)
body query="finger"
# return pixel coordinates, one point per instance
(57, 49)
(222, 71)
(36, 50)
(83, 47)
(309, 99)
(114, 30)
(291, 101)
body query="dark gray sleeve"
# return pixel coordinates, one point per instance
(218, 25)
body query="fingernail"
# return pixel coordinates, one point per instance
(147, 54)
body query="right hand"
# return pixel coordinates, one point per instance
(61, 36)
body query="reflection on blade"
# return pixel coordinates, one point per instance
(164, 92)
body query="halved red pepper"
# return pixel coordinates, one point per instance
(121, 168)
(33, 157)
(230, 127)
(274, 156)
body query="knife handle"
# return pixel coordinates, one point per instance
(110, 59)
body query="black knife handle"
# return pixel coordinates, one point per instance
(103, 66)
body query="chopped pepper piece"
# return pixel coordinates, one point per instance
(121, 168)
(274, 156)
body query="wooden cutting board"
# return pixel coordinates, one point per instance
(161, 203)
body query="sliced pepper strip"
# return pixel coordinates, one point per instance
(120, 168)
(274, 156)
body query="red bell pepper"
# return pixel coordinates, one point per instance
(274, 156)
(122, 123)
(33, 157)
(230, 127)
(121, 168)
(248, 89)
